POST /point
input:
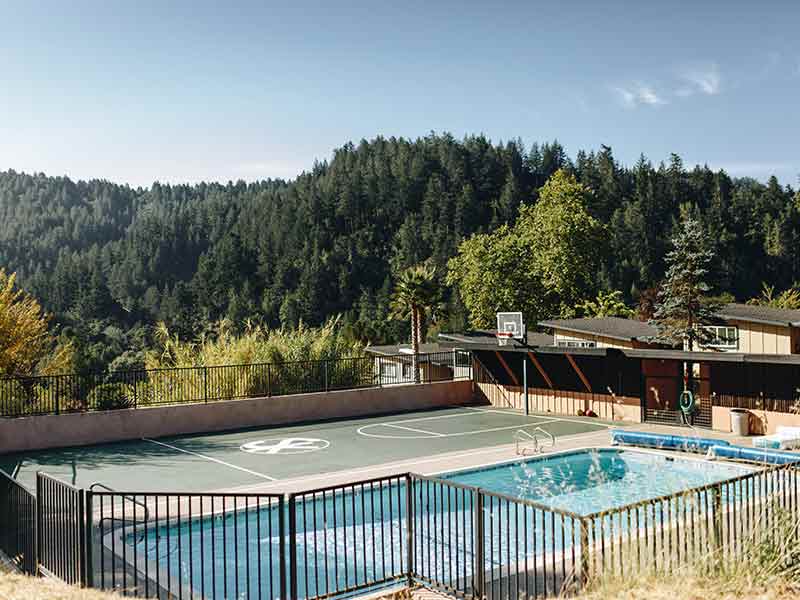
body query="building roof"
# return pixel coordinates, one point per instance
(488, 336)
(612, 327)
(393, 349)
(760, 314)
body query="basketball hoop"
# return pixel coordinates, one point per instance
(503, 337)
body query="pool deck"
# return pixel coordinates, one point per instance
(454, 461)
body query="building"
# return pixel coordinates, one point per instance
(742, 328)
(394, 364)
(758, 330)
(605, 332)
(612, 368)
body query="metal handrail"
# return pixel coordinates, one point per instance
(522, 435)
(125, 496)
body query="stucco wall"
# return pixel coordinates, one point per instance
(761, 422)
(79, 429)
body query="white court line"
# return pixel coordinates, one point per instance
(433, 433)
(401, 465)
(216, 460)
(450, 416)
(439, 435)
(519, 414)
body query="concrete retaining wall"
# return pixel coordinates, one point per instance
(81, 429)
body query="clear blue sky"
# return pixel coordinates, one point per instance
(137, 91)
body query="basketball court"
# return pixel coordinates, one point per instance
(252, 457)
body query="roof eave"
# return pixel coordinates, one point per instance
(730, 317)
(576, 330)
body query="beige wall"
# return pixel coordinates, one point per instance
(761, 422)
(79, 429)
(599, 340)
(562, 402)
(755, 338)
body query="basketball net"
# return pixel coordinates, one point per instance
(503, 337)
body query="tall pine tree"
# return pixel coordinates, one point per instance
(683, 306)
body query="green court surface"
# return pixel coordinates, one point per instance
(218, 461)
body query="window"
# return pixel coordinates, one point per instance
(724, 336)
(388, 369)
(575, 344)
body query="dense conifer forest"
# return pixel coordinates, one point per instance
(110, 261)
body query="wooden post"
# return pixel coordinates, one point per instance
(525, 382)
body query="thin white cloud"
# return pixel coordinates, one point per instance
(637, 94)
(703, 79)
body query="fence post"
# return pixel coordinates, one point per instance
(205, 384)
(478, 528)
(83, 572)
(410, 544)
(716, 503)
(88, 515)
(584, 537)
(58, 386)
(269, 381)
(292, 547)
(282, 547)
(325, 373)
(39, 527)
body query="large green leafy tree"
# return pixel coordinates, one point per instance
(568, 243)
(607, 304)
(683, 306)
(541, 266)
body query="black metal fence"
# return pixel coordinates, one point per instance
(55, 394)
(362, 536)
(61, 530)
(18, 523)
(188, 545)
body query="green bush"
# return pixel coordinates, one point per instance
(110, 396)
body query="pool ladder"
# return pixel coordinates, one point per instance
(523, 437)
(132, 499)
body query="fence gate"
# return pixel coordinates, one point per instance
(660, 403)
(61, 530)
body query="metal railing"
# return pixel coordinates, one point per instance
(363, 536)
(18, 523)
(61, 530)
(164, 545)
(55, 394)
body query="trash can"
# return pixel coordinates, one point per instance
(740, 421)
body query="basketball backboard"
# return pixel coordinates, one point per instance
(513, 323)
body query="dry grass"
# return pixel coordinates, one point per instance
(682, 587)
(21, 587)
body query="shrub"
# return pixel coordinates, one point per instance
(110, 396)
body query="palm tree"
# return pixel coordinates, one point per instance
(416, 294)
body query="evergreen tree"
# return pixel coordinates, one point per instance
(683, 306)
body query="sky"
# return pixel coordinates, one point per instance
(188, 91)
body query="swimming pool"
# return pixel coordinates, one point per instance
(363, 535)
(589, 481)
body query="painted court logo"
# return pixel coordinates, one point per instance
(285, 446)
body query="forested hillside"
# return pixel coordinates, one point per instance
(110, 261)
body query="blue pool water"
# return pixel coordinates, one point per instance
(588, 481)
(358, 537)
